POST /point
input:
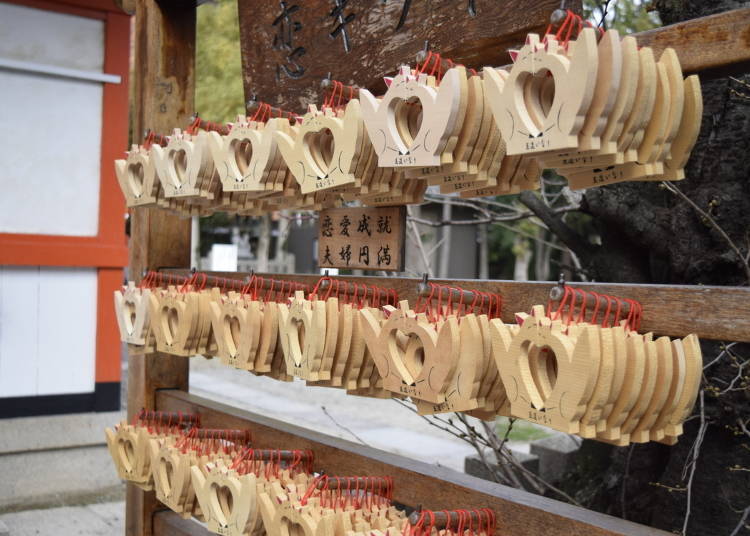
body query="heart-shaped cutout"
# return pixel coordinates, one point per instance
(166, 474)
(243, 154)
(297, 343)
(290, 528)
(408, 355)
(130, 315)
(178, 160)
(223, 503)
(413, 356)
(542, 367)
(408, 118)
(136, 177)
(171, 320)
(232, 333)
(127, 454)
(538, 94)
(320, 145)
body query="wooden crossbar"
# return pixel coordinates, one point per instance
(718, 44)
(718, 313)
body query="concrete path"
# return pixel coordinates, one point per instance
(103, 519)
(383, 424)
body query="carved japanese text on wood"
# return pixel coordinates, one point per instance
(288, 47)
(363, 238)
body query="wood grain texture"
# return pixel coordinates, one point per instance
(164, 98)
(716, 44)
(344, 233)
(518, 512)
(376, 47)
(718, 313)
(712, 43)
(164, 93)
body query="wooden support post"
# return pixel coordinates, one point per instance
(164, 95)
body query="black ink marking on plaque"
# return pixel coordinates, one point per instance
(284, 41)
(337, 13)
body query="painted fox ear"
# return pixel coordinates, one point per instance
(513, 55)
(388, 80)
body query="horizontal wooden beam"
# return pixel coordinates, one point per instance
(518, 512)
(719, 43)
(168, 522)
(676, 310)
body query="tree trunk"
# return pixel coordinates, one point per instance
(668, 239)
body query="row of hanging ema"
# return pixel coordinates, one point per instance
(578, 365)
(596, 108)
(217, 477)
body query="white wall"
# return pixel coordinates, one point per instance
(50, 127)
(52, 38)
(47, 330)
(50, 150)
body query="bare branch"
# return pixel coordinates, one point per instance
(334, 421)
(420, 245)
(743, 427)
(693, 462)
(741, 524)
(724, 349)
(508, 468)
(567, 235)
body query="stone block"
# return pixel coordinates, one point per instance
(555, 454)
(473, 464)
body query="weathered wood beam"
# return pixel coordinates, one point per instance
(718, 43)
(287, 51)
(711, 312)
(164, 93)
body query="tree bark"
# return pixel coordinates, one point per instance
(664, 235)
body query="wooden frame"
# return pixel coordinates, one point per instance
(165, 37)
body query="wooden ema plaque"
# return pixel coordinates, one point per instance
(288, 47)
(365, 238)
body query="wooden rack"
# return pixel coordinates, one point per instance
(164, 97)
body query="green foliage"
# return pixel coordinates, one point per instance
(503, 244)
(625, 16)
(219, 94)
(521, 431)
